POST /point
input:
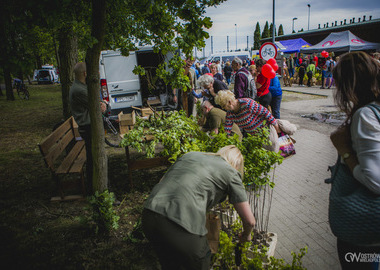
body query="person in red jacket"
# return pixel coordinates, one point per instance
(264, 97)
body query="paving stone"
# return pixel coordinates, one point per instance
(300, 197)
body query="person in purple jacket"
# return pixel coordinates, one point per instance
(241, 80)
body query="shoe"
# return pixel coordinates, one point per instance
(328, 87)
(322, 87)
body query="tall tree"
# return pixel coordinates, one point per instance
(271, 30)
(68, 56)
(167, 24)
(12, 29)
(100, 167)
(257, 37)
(265, 33)
(280, 30)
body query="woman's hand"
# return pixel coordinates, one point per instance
(245, 237)
(277, 127)
(341, 139)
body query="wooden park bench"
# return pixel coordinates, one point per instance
(64, 154)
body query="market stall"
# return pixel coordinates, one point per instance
(341, 42)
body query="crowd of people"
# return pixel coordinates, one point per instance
(174, 214)
(180, 241)
(297, 67)
(243, 79)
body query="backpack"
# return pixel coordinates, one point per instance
(331, 66)
(250, 91)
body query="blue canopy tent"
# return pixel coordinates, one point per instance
(292, 45)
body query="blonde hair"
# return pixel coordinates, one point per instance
(222, 97)
(252, 67)
(233, 156)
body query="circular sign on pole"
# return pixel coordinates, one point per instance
(268, 50)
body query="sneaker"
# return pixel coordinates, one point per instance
(322, 87)
(328, 87)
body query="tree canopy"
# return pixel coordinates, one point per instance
(266, 33)
(257, 37)
(280, 30)
(73, 30)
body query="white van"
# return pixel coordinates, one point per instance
(120, 86)
(47, 74)
(229, 56)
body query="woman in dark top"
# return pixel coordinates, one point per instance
(211, 87)
(215, 73)
(228, 72)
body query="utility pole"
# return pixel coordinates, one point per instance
(236, 35)
(228, 49)
(212, 45)
(274, 25)
(308, 22)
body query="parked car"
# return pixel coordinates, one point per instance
(47, 74)
(124, 89)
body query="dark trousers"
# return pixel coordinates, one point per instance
(85, 133)
(347, 256)
(228, 78)
(275, 105)
(264, 100)
(188, 98)
(301, 74)
(309, 77)
(291, 72)
(176, 248)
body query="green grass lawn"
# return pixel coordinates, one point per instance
(38, 234)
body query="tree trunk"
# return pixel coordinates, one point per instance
(68, 56)
(8, 84)
(100, 173)
(38, 61)
(1, 92)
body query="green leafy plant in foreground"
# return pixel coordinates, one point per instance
(179, 134)
(252, 258)
(103, 215)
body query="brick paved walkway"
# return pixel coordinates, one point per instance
(299, 212)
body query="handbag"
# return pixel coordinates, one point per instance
(286, 145)
(354, 211)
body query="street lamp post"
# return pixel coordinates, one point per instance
(236, 35)
(293, 24)
(308, 21)
(274, 25)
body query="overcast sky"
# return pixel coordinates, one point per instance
(246, 13)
